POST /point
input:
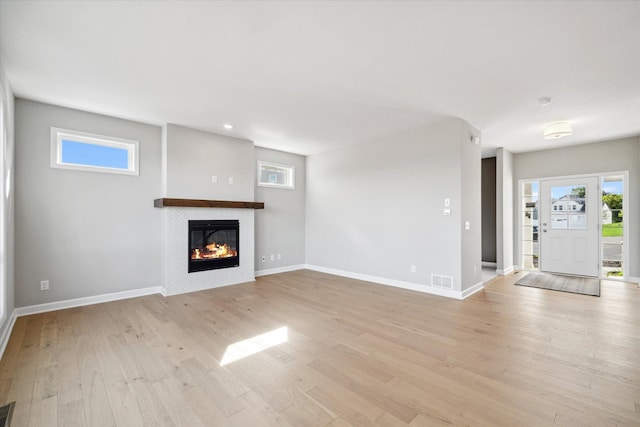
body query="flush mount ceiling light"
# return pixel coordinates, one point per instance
(544, 101)
(228, 126)
(557, 130)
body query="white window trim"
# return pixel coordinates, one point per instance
(58, 134)
(292, 175)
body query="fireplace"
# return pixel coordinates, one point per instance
(213, 244)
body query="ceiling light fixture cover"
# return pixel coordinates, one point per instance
(228, 126)
(544, 101)
(557, 130)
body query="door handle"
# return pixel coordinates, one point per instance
(544, 230)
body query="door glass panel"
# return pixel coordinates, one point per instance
(568, 207)
(577, 222)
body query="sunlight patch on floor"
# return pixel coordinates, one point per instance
(248, 347)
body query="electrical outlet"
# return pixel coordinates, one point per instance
(413, 268)
(273, 257)
(44, 285)
(279, 257)
(264, 258)
(475, 270)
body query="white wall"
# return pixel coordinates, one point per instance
(595, 158)
(88, 233)
(280, 226)
(377, 208)
(504, 211)
(192, 157)
(471, 196)
(7, 192)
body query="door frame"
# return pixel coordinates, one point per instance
(625, 208)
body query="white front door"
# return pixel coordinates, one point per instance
(568, 226)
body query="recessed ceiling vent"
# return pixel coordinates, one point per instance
(440, 281)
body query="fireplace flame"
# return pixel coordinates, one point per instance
(213, 251)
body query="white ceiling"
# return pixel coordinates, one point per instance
(307, 77)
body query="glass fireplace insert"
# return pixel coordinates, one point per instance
(213, 244)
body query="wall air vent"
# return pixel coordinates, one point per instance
(440, 281)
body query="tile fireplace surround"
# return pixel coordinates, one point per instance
(176, 214)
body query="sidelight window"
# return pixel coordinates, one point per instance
(529, 220)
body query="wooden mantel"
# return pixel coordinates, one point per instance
(194, 203)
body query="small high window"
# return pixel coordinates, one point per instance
(273, 175)
(85, 151)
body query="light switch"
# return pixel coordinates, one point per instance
(230, 180)
(447, 203)
(214, 179)
(467, 225)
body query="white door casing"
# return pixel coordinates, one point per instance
(569, 226)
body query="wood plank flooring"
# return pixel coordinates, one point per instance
(357, 354)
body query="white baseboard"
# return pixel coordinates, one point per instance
(505, 271)
(472, 290)
(78, 302)
(489, 264)
(277, 270)
(633, 279)
(6, 334)
(398, 283)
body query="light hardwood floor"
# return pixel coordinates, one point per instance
(357, 354)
